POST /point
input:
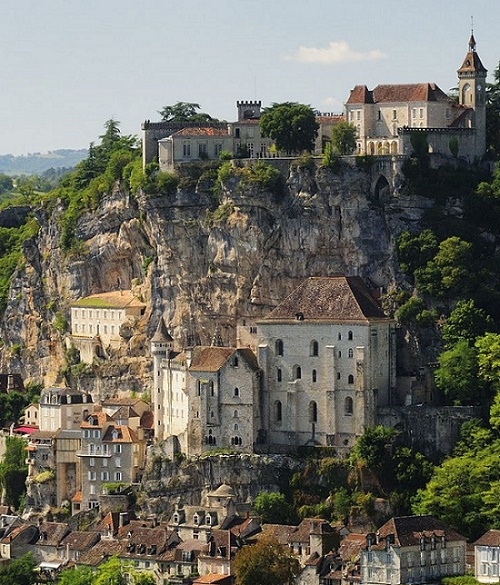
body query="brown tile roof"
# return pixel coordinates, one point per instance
(310, 526)
(147, 420)
(351, 546)
(78, 497)
(110, 300)
(80, 541)
(490, 538)
(222, 544)
(124, 412)
(328, 299)
(407, 530)
(279, 532)
(132, 526)
(201, 132)
(213, 579)
(333, 119)
(98, 418)
(398, 93)
(147, 541)
(210, 359)
(123, 433)
(100, 552)
(120, 401)
(51, 533)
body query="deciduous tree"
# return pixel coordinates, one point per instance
(292, 126)
(184, 112)
(344, 138)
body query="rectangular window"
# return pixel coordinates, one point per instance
(236, 132)
(105, 476)
(118, 448)
(92, 476)
(92, 490)
(104, 462)
(118, 476)
(186, 149)
(217, 148)
(90, 314)
(358, 114)
(86, 434)
(202, 150)
(118, 462)
(91, 462)
(97, 434)
(421, 113)
(394, 114)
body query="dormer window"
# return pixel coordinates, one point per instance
(196, 519)
(208, 520)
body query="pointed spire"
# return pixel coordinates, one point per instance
(161, 335)
(472, 40)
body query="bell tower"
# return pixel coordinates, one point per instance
(471, 94)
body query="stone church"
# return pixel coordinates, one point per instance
(324, 362)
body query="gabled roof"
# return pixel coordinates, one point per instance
(351, 546)
(110, 300)
(123, 434)
(79, 540)
(52, 533)
(100, 552)
(95, 419)
(490, 538)
(408, 530)
(328, 299)
(398, 93)
(310, 526)
(210, 358)
(280, 532)
(124, 412)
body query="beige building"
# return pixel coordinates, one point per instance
(97, 321)
(386, 116)
(62, 408)
(412, 549)
(487, 557)
(327, 353)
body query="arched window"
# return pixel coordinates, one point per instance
(279, 375)
(278, 415)
(314, 348)
(297, 373)
(350, 353)
(314, 376)
(348, 406)
(279, 347)
(349, 336)
(236, 414)
(236, 427)
(313, 412)
(340, 336)
(350, 379)
(236, 391)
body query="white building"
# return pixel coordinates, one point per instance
(62, 408)
(487, 557)
(386, 116)
(412, 549)
(96, 321)
(327, 353)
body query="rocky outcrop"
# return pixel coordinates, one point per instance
(197, 264)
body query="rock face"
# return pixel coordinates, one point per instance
(197, 267)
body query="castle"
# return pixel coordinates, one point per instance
(386, 118)
(324, 362)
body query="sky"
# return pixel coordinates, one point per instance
(68, 66)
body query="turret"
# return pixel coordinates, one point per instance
(161, 348)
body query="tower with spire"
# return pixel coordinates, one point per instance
(471, 93)
(161, 348)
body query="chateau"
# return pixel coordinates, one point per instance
(325, 361)
(387, 116)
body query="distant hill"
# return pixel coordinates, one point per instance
(37, 163)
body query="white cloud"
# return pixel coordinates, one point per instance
(331, 102)
(335, 52)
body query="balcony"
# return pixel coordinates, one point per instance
(98, 452)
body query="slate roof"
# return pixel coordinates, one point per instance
(490, 538)
(472, 62)
(407, 530)
(328, 299)
(110, 300)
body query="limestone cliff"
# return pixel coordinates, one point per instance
(196, 266)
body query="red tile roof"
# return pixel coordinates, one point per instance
(398, 93)
(407, 530)
(123, 434)
(328, 299)
(490, 538)
(99, 419)
(210, 359)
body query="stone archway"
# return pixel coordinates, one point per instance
(381, 188)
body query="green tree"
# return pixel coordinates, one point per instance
(76, 576)
(273, 508)
(19, 571)
(344, 138)
(292, 126)
(110, 573)
(457, 374)
(5, 183)
(466, 322)
(13, 471)
(493, 114)
(265, 563)
(489, 358)
(185, 112)
(450, 274)
(414, 251)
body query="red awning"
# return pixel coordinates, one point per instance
(25, 430)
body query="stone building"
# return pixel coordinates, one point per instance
(62, 408)
(110, 453)
(208, 397)
(327, 354)
(387, 116)
(412, 549)
(97, 321)
(487, 557)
